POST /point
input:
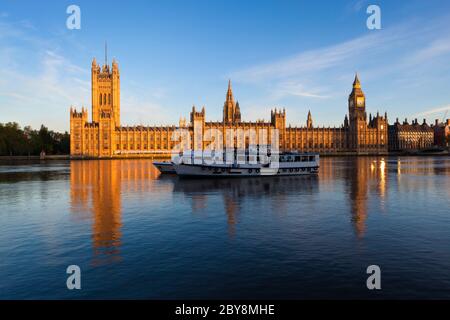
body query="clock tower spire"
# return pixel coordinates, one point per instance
(357, 115)
(357, 101)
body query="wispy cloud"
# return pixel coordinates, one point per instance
(317, 73)
(56, 80)
(397, 66)
(38, 83)
(439, 111)
(313, 61)
(142, 109)
(292, 88)
(403, 56)
(436, 48)
(357, 5)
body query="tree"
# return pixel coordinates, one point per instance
(15, 141)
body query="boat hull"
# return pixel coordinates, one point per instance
(203, 171)
(165, 167)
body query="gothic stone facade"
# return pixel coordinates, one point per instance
(442, 133)
(105, 137)
(408, 137)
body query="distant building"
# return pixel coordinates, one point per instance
(409, 137)
(105, 137)
(442, 133)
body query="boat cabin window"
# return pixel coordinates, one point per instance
(297, 158)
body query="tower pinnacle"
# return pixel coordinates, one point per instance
(229, 107)
(309, 122)
(106, 53)
(230, 91)
(356, 83)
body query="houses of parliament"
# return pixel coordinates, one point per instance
(104, 136)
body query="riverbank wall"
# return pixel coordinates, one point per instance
(167, 156)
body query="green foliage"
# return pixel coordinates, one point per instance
(16, 142)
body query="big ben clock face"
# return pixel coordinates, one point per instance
(360, 102)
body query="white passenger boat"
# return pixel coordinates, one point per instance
(164, 166)
(287, 164)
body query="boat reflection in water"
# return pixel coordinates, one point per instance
(234, 191)
(361, 176)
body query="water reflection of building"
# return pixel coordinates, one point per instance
(97, 187)
(363, 176)
(233, 191)
(358, 194)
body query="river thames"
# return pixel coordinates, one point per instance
(136, 234)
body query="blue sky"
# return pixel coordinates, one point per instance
(298, 55)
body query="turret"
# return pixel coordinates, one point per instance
(106, 91)
(198, 126)
(229, 107)
(197, 116)
(237, 113)
(278, 118)
(356, 82)
(309, 122)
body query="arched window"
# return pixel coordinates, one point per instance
(104, 98)
(109, 98)
(100, 99)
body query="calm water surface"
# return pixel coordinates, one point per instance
(136, 234)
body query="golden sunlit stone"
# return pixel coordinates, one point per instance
(105, 137)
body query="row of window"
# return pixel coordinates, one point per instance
(138, 147)
(318, 145)
(102, 99)
(144, 138)
(373, 146)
